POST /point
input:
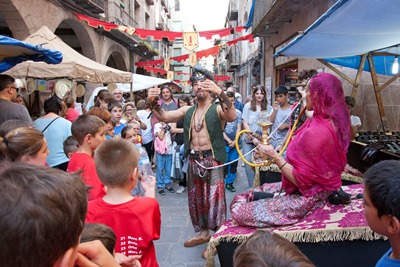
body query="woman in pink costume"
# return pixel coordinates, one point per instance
(315, 159)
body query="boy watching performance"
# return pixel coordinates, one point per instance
(70, 146)
(42, 217)
(382, 206)
(136, 221)
(88, 131)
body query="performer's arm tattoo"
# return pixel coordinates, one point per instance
(226, 104)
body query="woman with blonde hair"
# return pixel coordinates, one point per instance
(129, 114)
(24, 144)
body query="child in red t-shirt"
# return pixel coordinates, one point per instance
(135, 220)
(88, 131)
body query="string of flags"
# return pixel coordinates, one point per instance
(190, 42)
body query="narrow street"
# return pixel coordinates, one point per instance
(176, 227)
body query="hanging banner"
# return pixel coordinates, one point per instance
(190, 40)
(127, 30)
(166, 64)
(192, 59)
(170, 75)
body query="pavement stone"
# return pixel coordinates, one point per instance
(176, 227)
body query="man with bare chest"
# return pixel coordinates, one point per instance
(204, 145)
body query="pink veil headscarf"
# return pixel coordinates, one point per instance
(318, 152)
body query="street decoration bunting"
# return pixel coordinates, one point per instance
(156, 34)
(192, 59)
(248, 37)
(190, 40)
(95, 23)
(166, 64)
(170, 75)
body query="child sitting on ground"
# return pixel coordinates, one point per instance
(382, 206)
(263, 248)
(42, 216)
(88, 131)
(70, 146)
(136, 221)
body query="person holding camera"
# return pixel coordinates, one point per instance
(164, 149)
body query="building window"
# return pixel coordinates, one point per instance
(177, 52)
(177, 5)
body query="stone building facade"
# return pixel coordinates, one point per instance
(20, 18)
(241, 61)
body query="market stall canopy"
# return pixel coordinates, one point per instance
(139, 82)
(73, 66)
(13, 51)
(351, 28)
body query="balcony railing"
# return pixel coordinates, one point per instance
(94, 6)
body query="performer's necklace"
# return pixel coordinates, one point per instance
(199, 126)
(200, 123)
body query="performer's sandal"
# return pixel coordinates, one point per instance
(197, 240)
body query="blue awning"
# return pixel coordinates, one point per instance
(351, 28)
(13, 51)
(382, 64)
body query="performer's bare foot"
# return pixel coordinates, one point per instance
(202, 238)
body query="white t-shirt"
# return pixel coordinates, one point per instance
(147, 135)
(355, 120)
